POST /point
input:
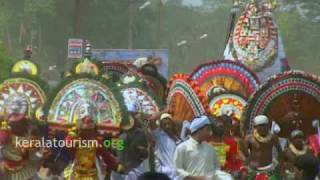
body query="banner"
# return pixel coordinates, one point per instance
(75, 47)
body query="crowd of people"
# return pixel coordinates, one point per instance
(212, 148)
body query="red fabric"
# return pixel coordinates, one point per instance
(261, 177)
(233, 163)
(107, 157)
(314, 144)
(14, 117)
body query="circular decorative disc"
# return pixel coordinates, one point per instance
(227, 104)
(15, 87)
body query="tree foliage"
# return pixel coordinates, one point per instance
(5, 63)
(47, 25)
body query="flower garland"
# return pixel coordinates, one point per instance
(261, 139)
(296, 151)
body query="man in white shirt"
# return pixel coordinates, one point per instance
(194, 158)
(166, 140)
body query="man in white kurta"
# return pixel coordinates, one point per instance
(194, 158)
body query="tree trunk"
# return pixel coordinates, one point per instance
(77, 13)
(40, 40)
(130, 33)
(160, 23)
(9, 40)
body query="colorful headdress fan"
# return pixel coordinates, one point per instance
(232, 76)
(185, 99)
(292, 99)
(86, 96)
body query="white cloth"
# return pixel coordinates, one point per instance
(132, 107)
(275, 128)
(165, 115)
(132, 175)
(196, 159)
(185, 127)
(164, 153)
(140, 62)
(199, 123)
(221, 175)
(261, 119)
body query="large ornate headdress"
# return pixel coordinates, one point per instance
(292, 99)
(227, 85)
(185, 98)
(23, 92)
(255, 40)
(85, 94)
(136, 94)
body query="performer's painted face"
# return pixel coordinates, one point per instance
(18, 104)
(86, 116)
(85, 110)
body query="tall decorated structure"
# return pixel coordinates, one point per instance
(255, 40)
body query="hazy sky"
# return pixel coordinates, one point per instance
(192, 2)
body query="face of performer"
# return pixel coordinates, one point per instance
(298, 142)
(168, 126)
(85, 111)
(18, 105)
(263, 129)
